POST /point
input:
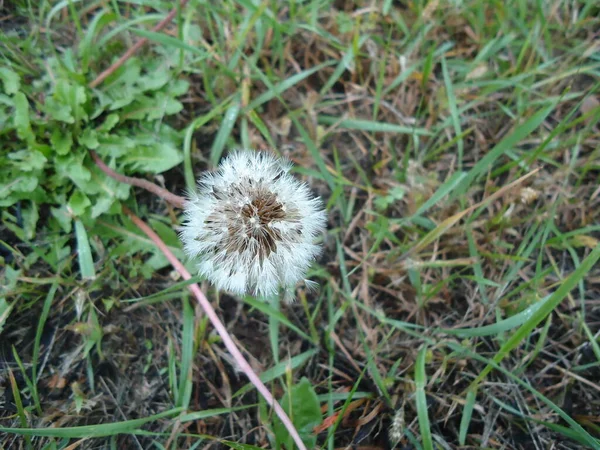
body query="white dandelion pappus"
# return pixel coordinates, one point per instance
(252, 225)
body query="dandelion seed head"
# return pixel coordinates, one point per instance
(252, 225)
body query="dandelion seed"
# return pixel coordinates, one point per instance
(397, 427)
(252, 225)
(528, 195)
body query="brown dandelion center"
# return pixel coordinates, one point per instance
(249, 226)
(256, 216)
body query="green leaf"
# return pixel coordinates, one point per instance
(302, 406)
(61, 141)
(57, 111)
(152, 156)
(71, 167)
(22, 123)
(30, 215)
(102, 205)
(67, 102)
(63, 218)
(10, 79)
(164, 105)
(78, 203)
(89, 139)
(28, 160)
(109, 123)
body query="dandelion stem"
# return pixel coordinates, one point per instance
(175, 200)
(214, 318)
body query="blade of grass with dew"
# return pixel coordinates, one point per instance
(229, 119)
(371, 126)
(90, 431)
(131, 237)
(84, 253)
(538, 315)
(175, 289)
(421, 399)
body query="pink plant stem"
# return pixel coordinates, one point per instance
(214, 318)
(175, 200)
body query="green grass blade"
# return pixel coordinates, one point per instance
(465, 420)
(188, 171)
(275, 90)
(187, 355)
(84, 253)
(498, 327)
(520, 133)
(372, 126)
(538, 315)
(461, 350)
(5, 309)
(91, 431)
(170, 41)
(421, 399)
(279, 370)
(271, 312)
(229, 120)
(450, 94)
